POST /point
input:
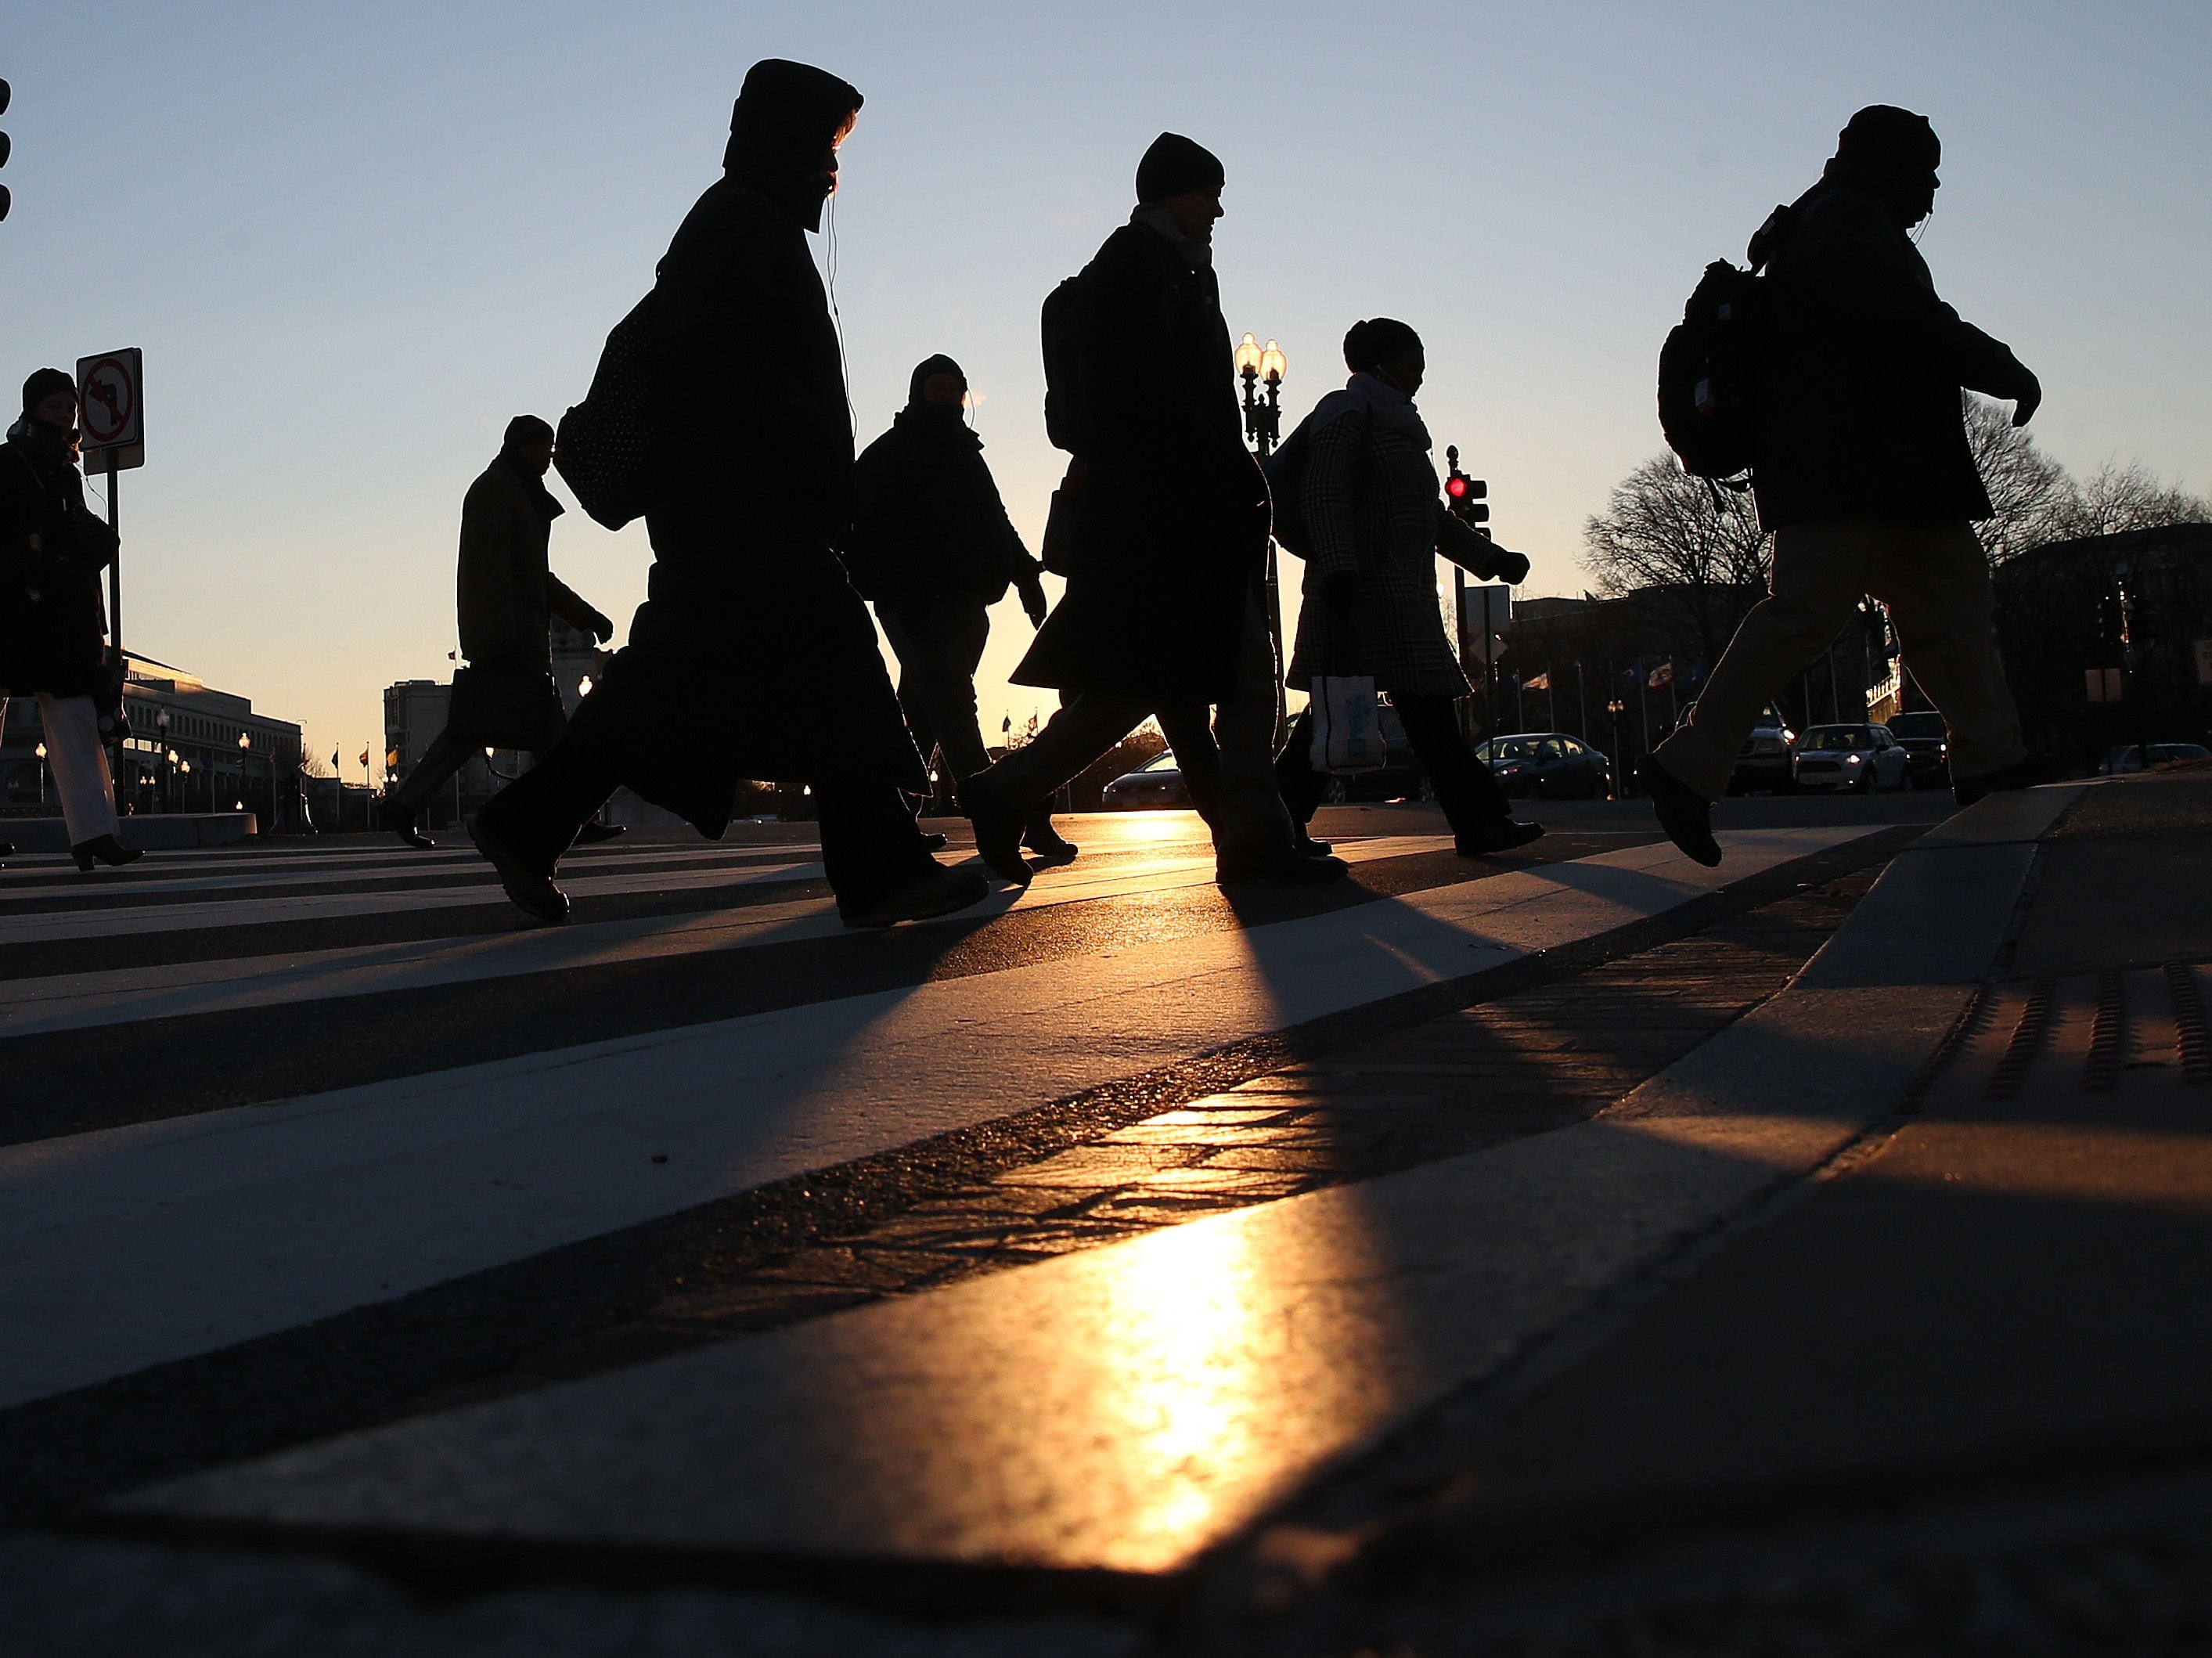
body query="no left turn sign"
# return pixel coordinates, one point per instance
(111, 391)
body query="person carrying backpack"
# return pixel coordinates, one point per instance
(1165, 552)
(1861, 469)
(1375, 521)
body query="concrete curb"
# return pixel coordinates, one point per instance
(166, 832)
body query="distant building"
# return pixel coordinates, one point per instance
(185, 753)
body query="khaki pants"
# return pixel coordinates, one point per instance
(71, 727)
(1936, 580)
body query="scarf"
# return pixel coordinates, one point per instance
(1387, 408)
(1197, 251)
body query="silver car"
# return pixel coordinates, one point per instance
(1857, 758)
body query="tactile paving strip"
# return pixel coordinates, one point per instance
(2083, 1034)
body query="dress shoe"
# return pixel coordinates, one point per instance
(7, 848)
(2023, 774)
(406, 826)
(1685, 814)
(1306, 847)
(1051, 847)
(531, 890)
(592, 833)
(933, 842)
(937, 893)
(1499, 834)
(1281, 866)
(103, 849)
(998, 830)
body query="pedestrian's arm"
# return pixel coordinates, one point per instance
(579, 612)
(1476, 553)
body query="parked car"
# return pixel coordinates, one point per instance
(2129, 757)
(1927, 744)
(1548, 766)
(1859, 758)
(1764, 761)
(1156, 783)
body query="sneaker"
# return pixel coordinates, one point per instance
(531, 890)
(2022, 774)
(997, 828)
(1051, 847)
(1500, 834)
(937, 893)
(1276, 868)
(1685, 814)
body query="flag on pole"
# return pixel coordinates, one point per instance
(1537, 682)
(364, 759)
(334, 759)
(1662, 676)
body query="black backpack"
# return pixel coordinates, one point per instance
(605, 443)
(1708, 366)
(1065, 321)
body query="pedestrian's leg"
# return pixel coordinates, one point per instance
(998, 799)
(1475, 805)
(1819, 572)
(525, 828)
(1255, 826)
(1302, 787)
(1188, 727)
(1935, 580)
(871, 849)
(80, 763)
(445, 756)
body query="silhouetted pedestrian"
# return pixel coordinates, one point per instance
(931, 543)
(1167, 549)
(1863, 472)
(1368, 494)
(752, 656)
(53, 625)
(508, 596)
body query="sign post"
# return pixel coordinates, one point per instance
(110, 412)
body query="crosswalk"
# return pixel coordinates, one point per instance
(247, 1090)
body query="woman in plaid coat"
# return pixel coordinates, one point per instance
(1369, 496)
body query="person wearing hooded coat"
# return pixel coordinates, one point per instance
(930, 543)
(1166, 562)
(747, 604)
(508, 596)
(1369, 496)
(53, 625)
(1863, 470)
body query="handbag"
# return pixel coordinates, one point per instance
(603, 445)
(505, 708)
(1347, 725)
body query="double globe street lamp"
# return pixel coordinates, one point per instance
(1259, 365)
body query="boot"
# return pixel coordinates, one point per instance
(593, 833)
(1277, 866)
(104, 849)
(531, 889)
(1685, 814)
(403, 822)
(1051, 848)
(1306, 845)
(998, 829)
(937, 893)
(1497, 834)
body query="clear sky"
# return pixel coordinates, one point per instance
(352, 240)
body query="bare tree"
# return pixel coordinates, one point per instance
(2115, 498)
(1689, 555)
(2029, 491)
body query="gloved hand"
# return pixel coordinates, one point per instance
(1033, 602)
(602, 626)
(2026, 394)
(1510, 566)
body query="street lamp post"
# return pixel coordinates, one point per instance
(41, 752)
(1616, 707)
(1265, 365)
(162, 747)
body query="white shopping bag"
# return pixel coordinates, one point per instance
(1347, 724)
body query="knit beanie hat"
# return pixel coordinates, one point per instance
(1174, 166)
(939, 364)
(44, 383)
(1890, 143)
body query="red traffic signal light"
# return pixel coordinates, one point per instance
(1455, 487)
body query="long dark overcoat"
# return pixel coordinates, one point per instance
(1859, 409)
(752, 656)
(507, 594)
(53, 623)
(928, 525)
(1171, 521)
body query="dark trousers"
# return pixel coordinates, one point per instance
(1465, 789)
(939, 645)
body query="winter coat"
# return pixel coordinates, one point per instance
(1373, 507)
(1859, 409)
(928, 523)
(1170, 515)
(507, 594)
(752, 656)
(53, 623)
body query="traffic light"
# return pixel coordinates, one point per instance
(1466, 495)
(6, 146)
